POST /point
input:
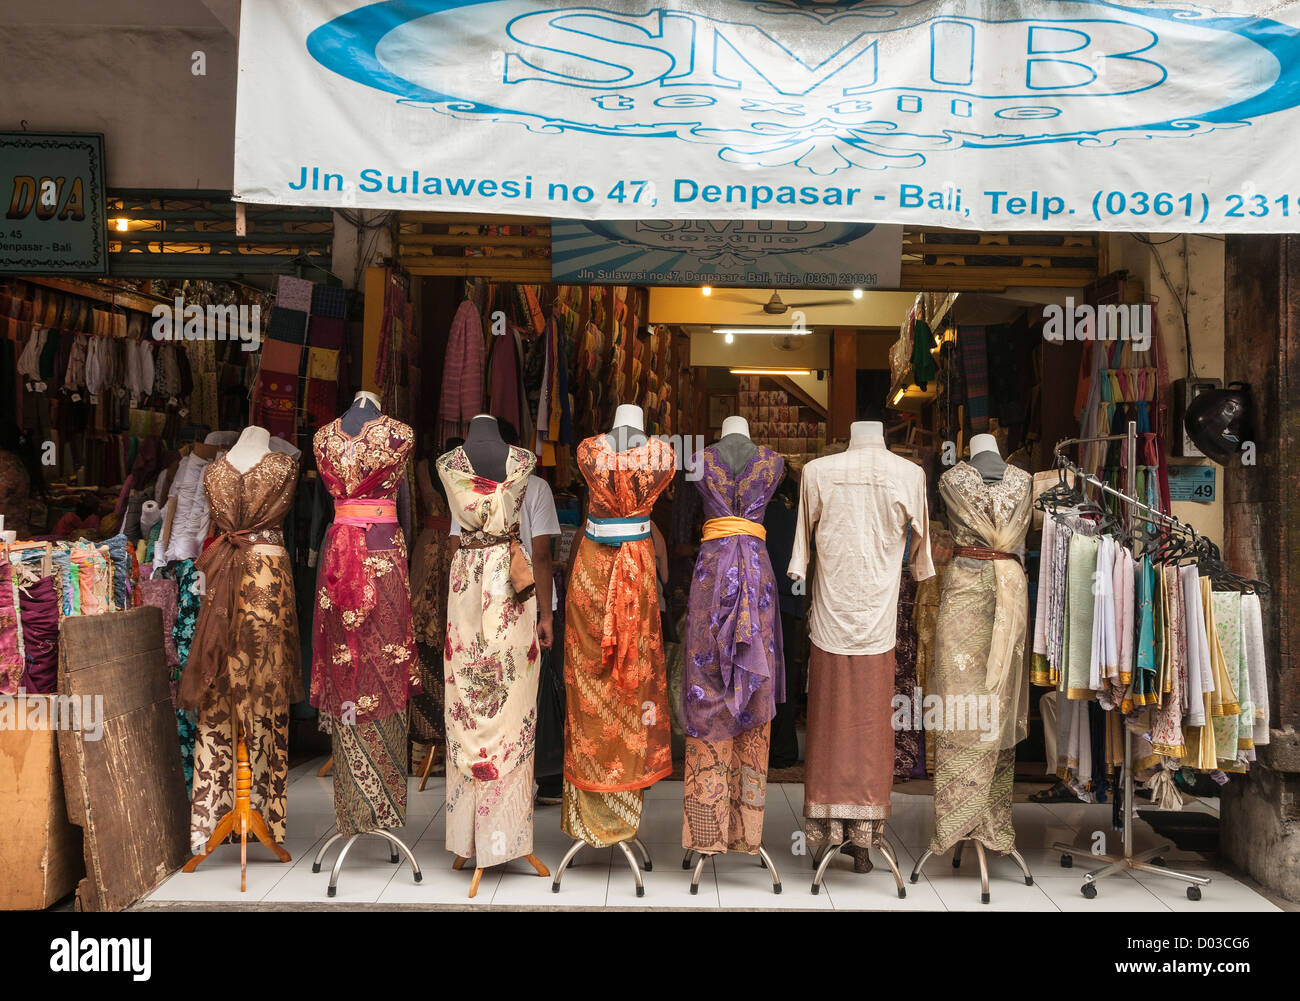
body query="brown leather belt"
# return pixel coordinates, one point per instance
(482, 540)
(982, 553)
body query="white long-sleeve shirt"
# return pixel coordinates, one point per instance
(860, 503)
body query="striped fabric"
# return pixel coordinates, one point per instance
(975, 367)
(462, 373)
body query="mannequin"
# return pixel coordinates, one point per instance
(253, 443)
(629, 428)
(735, 446)
(985, 457)
(365, 407)
(866, 433)
(863, 504)
(486, 448)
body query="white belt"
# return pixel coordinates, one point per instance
(612, 531)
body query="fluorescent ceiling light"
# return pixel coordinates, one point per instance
(771, 371)
(788, 331)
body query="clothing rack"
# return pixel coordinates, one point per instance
(1151, 859)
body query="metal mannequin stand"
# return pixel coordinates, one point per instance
(1144, 861)
(395, 844)
(821, 861)
(632, 862)
(984, 866)
(765, 860)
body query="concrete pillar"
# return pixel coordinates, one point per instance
(1260, 829)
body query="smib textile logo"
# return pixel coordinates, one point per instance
(730, 242)
(825, 86)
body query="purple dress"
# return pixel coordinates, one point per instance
(733, 674)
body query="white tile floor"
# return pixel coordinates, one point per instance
(601, 878)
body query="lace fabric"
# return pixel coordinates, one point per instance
(364, 659)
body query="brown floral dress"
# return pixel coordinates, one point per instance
(247, 626)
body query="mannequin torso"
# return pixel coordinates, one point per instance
(984, 457)
(866, 433)
(365, 407)
(254, 443)
(735, 446)
(486, 448)
(629, 428)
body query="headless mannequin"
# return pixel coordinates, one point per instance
(984, 457)
(866, 433)
(629, 428)
(365, 407)
(735, 446)
(253, 443)
(486, 448)
(487, 453)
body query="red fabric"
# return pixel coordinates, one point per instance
(322, 401)
(277, 404)
(462, 369)
(364, 653)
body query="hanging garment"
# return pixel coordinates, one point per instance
(1103, 667)
(1044, 672)
(431, 557)
(1167, 720)
(1224, 706)
(1080, 609)
(979, 668)
(1252, 616)
(733, 671)
(189, 600)
(462, 372)
(617, 733)
(491, 662)
(907, 739)
(1233, 733)
(242, 671)
(363, 650)
(1198, 727)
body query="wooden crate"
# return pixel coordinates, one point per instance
(40, 849)
(126, 788)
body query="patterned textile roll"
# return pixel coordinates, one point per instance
(725, 792)
(370, 775)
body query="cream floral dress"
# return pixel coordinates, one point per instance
(490, 666)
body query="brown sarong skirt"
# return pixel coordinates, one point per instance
(849, 760)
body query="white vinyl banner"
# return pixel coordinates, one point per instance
(978, 114)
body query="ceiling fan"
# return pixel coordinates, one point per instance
(776, 306)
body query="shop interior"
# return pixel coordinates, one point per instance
(113, 515)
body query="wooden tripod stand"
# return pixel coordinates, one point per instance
(530, 858)
(243, 819)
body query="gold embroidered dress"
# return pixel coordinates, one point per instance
(979, 670)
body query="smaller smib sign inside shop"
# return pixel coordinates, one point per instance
(757, 253)
(52, 197)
